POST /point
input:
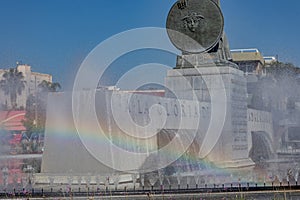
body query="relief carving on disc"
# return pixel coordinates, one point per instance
(195, 26)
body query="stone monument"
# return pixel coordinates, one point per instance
(196, 27)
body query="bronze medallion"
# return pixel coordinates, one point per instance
(195, 26)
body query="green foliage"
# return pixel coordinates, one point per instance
(46, 86)
(280, 71)
(36, 106)
(35, 114)
(12, 85)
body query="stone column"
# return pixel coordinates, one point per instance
(230, 150)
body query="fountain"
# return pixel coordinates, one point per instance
(70, 182)
(97, 179)
(271, 176)
(88, 179)
(280, 176)
(116, 179)
(5, 175)
(217, 181)
(231, 150)
(197, 179)
(178, 178)
(15, 180)
(194, 65)
(32, 180)
(152, 178)
(161, 178)
(24, 181)
(134, 179)
(79, 180)
(169, 182)
(142, 180)
(107, 183)
(51, 181)
(296, 175)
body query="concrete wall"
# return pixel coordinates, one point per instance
(259, 121)
(225, 88)
(128, 125)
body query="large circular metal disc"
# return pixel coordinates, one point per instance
(195, 26)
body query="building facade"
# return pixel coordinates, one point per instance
(249, 61)
(31, 81)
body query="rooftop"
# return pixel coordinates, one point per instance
(247, 55)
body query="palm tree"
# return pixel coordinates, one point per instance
(47, 86)
(12, 85)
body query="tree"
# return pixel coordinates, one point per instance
(46, 86)
(35, 115)
(12, 84)
(36, 106)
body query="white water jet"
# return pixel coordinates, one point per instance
(116, 180)
(5, 176)
(161, 177)
(178, 178)
(88, 180)
(79, 180)
(15, 179)
(51, 181)
(271, 175)
(70, 181)
(280, 177)
(107, 182)
(168, 181)
(197, 179)
(142, 180)
(97, 181)
(296, 175)
(134, 179)
(188, 181)
(152, 180)
(24, 181)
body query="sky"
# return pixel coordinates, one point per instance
(54, 36)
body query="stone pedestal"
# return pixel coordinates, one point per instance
(231, 147)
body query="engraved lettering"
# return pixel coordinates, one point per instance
(182, 5)
(183, 110)
(190, 111)
(167, 109)
(196, 111)
(146, 110)
(159, 110)
(176, 110)
(139, 107)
